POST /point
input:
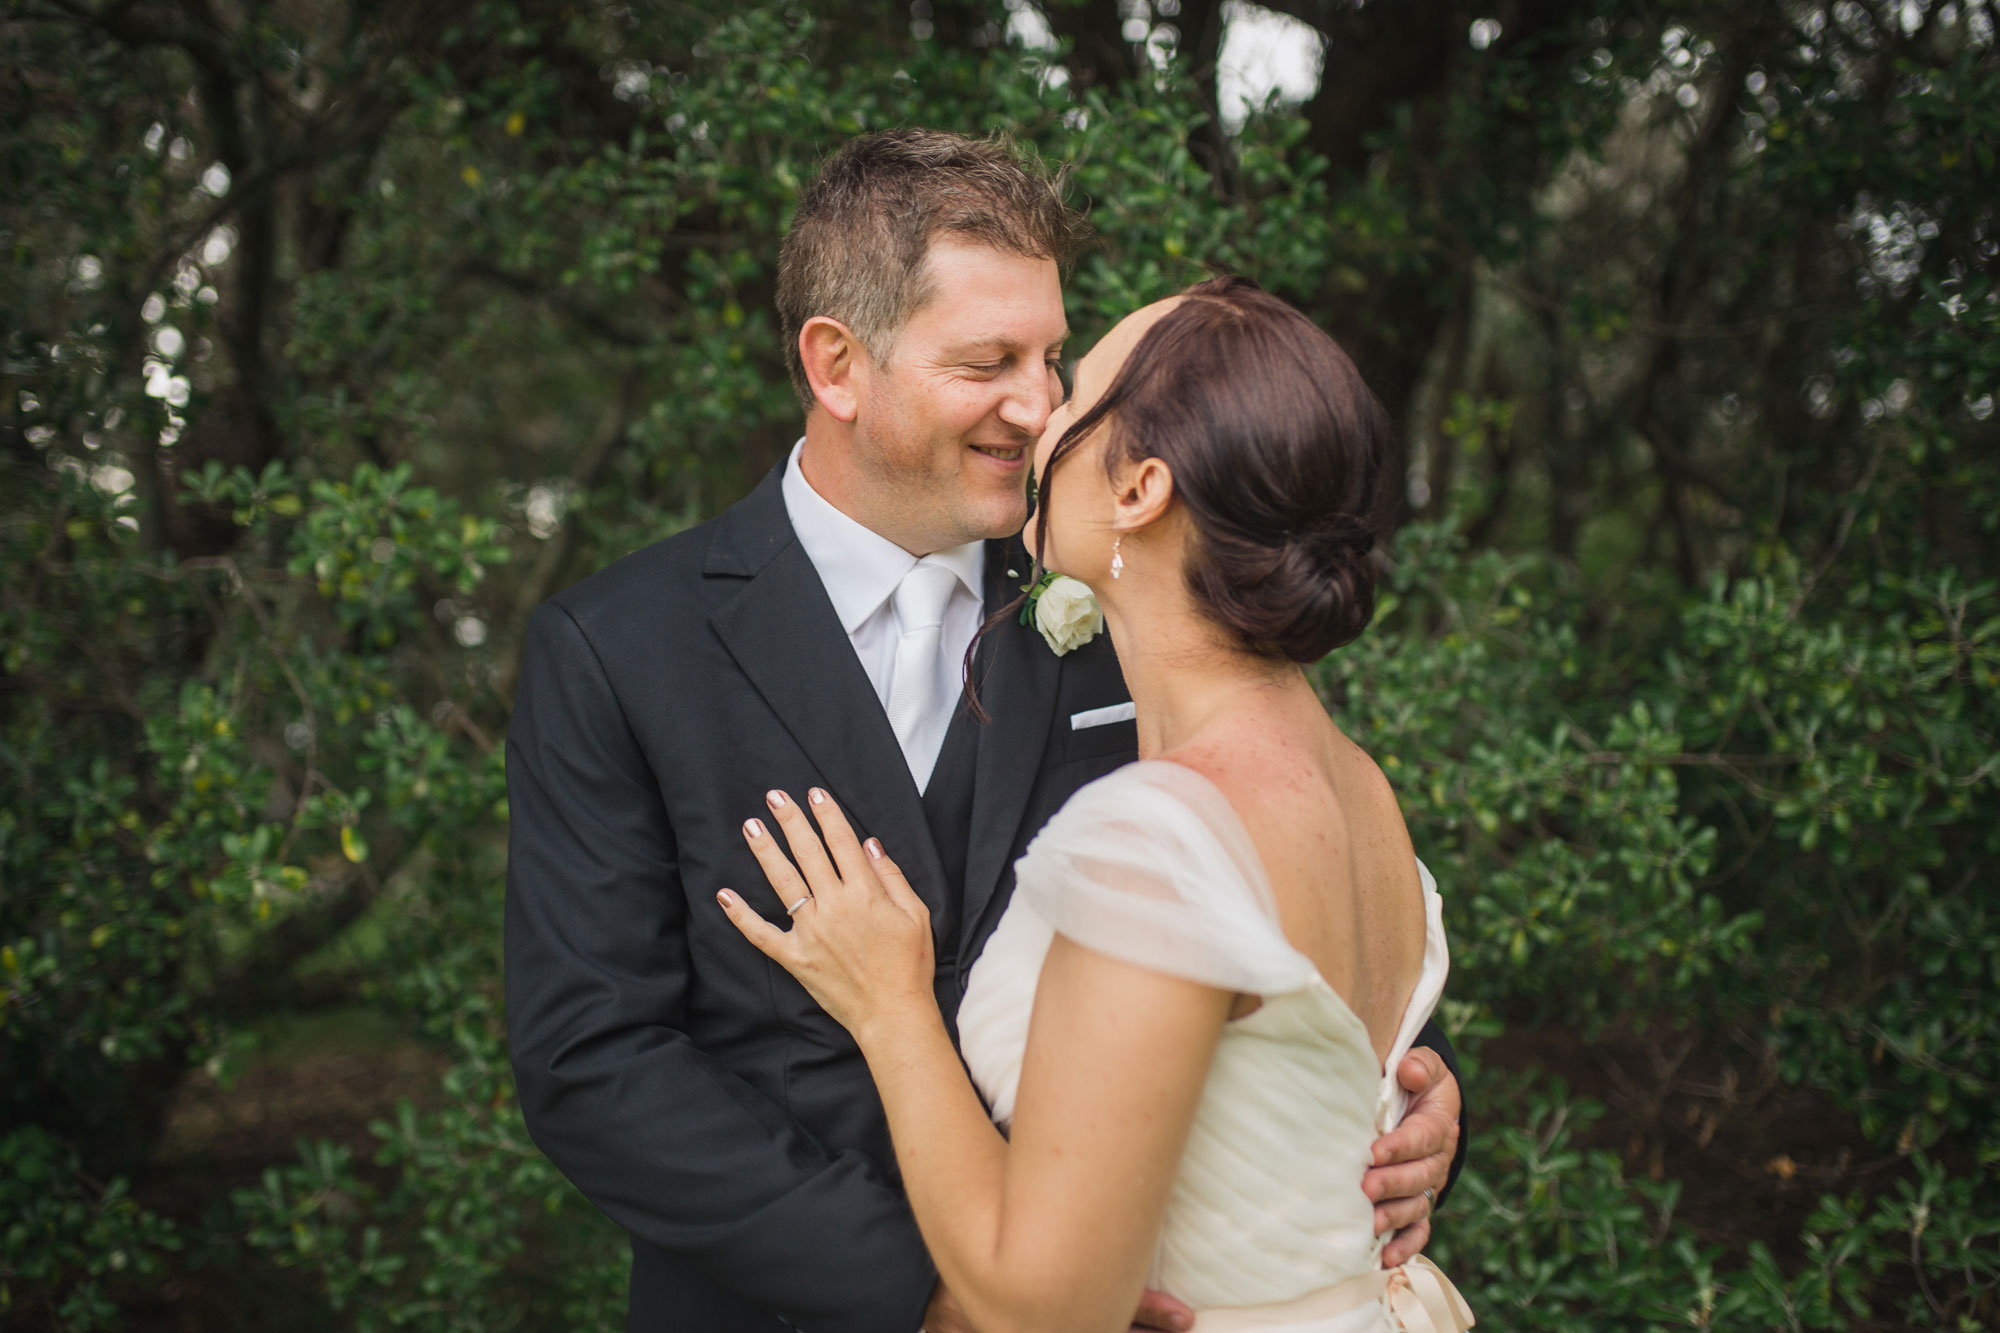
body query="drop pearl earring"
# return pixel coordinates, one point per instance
(1117, 560)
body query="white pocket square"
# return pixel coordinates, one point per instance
(1102, 717)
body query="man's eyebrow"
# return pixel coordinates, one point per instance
(994, 346)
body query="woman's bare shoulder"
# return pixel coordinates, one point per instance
(1282, 778)
(1266, 770)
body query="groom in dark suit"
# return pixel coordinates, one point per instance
(813, 635)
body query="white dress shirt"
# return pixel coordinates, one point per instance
(861, 569)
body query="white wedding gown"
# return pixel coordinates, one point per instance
(1267, 1228)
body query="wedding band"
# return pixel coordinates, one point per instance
(1430, 1199)
(793, 910)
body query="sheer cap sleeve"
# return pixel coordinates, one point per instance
(1151, 865)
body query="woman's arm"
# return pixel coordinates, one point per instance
(1057, 1230)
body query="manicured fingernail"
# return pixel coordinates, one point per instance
(874, 847)
(818, 796)
(753, 827)
(776, 798)
(726, 898)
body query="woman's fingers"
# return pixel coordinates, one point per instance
(785, 879)
(894, 881)
(850, 863)
(804, 841)
(773, 942)
(839, 835)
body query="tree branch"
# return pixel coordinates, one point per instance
(525, 285)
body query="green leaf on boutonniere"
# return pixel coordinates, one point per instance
(1035, 591)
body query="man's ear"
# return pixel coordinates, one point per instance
(832, 357)
(1144, 491)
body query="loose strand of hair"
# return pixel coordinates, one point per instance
(1078, 431)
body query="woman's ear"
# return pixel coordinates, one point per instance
(832, 357)
(1144, 490)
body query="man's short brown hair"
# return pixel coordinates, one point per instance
(858, 244)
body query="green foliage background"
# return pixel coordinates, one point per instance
(338, 335)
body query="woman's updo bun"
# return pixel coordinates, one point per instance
(1300, 597)
(1279, 452)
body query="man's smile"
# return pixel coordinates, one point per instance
(1002, 453)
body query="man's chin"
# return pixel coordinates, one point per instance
(991, 515)
(1004, 521)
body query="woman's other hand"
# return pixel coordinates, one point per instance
(860, 940)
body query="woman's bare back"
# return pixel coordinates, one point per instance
(1327, 827)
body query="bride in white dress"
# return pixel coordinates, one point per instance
(1183, 1026)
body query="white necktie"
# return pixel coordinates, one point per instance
(919, 712)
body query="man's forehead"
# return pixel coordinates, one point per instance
(984, 302)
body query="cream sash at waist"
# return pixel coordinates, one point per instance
(1417, 1297)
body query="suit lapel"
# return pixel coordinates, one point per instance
(1018, 676)
(783, 632)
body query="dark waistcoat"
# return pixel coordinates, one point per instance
(948, 814)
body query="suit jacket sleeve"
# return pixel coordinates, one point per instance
(1432, 1035)
(663, 1139)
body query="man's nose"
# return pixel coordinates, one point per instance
(1032, 395)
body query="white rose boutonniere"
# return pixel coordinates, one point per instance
(1064, 610)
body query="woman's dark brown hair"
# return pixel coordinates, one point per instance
(1279, 452)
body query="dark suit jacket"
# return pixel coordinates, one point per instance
(686, 1084)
